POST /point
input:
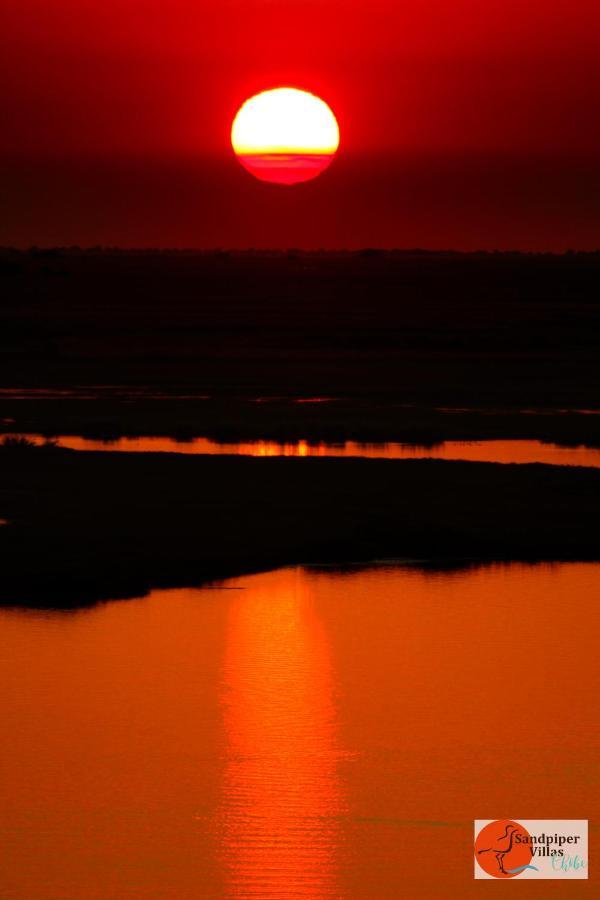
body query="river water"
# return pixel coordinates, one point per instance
(304, 733)
(501, 451)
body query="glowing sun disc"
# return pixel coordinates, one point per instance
(285, 135)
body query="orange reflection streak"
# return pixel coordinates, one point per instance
(280, 793)
(503, 451)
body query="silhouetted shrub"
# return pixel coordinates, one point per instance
(19, 444)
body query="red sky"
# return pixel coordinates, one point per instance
(471, 123)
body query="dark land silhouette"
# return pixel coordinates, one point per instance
(438, 330)
(88, 526)
(415, 346)
(408, 346)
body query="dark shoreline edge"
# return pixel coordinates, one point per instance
(72, 601)
(88, 527)
(230, 420)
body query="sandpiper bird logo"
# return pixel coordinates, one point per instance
(502, 849)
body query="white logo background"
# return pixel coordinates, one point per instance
(558, 867)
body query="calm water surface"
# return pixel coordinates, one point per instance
(298, 734)
(504, 451)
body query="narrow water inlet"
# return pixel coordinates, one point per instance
(491, 451)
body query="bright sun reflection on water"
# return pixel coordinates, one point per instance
(281, 790)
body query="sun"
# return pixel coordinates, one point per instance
(285, 135)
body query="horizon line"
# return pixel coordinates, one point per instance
(367, 250)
